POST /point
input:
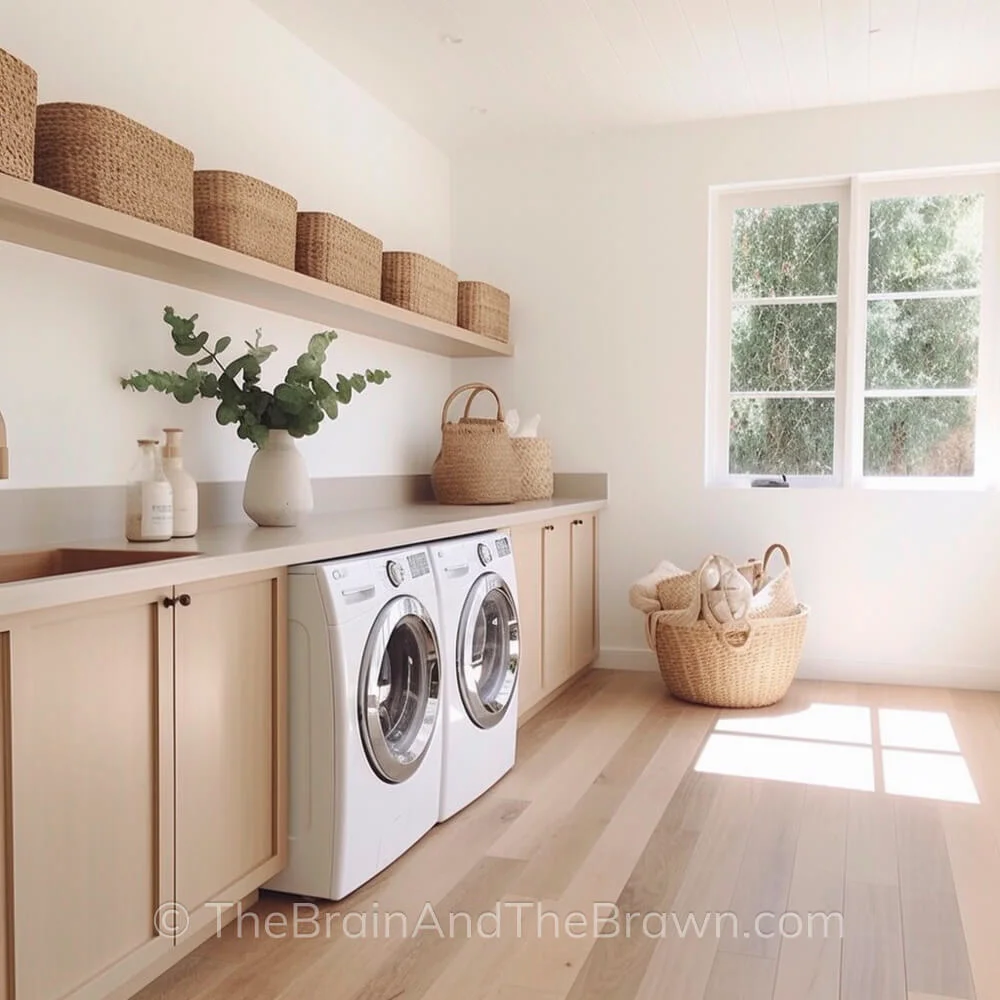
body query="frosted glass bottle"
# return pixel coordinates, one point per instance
(184, 487)
(149, 498)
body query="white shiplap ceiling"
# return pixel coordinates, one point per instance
(466, 70)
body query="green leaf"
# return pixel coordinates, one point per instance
(329, 405)
(221, 344)
(359, 383)
(227, 413)
(318, 343)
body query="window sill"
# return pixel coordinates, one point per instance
(929, 484)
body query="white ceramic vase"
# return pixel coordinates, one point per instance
(278, 489)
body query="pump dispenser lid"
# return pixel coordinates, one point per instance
(143, 441)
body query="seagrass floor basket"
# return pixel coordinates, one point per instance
(18, 99)
(99, 155)
(746, 665)
(244, 214)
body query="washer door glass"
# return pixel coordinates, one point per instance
(399, 689)
(488, 651)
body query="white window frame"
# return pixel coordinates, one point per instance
(854, 196)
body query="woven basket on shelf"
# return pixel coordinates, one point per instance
(18, 99)
(484, 309)
(476, 463)
(244, 214)
(534, 462)
(747, 665)
(334, 250)
(415, 282)
(101, 156)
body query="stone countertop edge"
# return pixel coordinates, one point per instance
(244, 548)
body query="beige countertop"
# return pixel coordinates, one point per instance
(244, 548)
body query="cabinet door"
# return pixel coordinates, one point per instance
(230, 689)
(557, 661)
(527, 542)
(91, 754)
(583, 559)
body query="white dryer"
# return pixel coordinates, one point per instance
(364, 735)
(477, 591)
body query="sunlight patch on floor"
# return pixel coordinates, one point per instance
(830, 723)
(832, 765)
(834, 746)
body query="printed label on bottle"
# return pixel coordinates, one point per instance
(157, 510)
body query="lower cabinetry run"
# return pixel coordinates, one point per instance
(556, 564)
(143, 745)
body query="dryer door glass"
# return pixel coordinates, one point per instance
(399, 690)
(488, 651)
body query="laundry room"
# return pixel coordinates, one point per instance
(497, 499)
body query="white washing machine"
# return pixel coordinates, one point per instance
(477, 591)
(365, 739)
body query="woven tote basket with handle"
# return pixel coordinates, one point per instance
(244, 214)
(334, 250)
(18, 99)
(476, 464)
(415, 282)
(101, 156)
(774, 597)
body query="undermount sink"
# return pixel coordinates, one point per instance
(18, 566)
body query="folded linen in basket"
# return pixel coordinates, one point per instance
(642, 593)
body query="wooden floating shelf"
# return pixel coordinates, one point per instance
(35, 216)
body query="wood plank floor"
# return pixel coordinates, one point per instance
(607, 865)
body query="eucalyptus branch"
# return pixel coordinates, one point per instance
(298, 405)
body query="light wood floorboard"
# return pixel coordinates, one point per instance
(606, 806)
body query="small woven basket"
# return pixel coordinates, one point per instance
(334, 250)
(101, 156)
(476, 464)
(18, 100)
(415, 282)
(244, 214)
(534, 462)
(746, 665)
(484, 309)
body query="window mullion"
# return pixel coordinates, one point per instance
(853, 330)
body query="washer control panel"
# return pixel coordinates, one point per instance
(485, 553)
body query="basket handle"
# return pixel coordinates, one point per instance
(477, 388)
(776, 547)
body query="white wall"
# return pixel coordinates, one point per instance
(244, 94)
(603, 244)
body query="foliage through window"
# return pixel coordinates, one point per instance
(789, 335)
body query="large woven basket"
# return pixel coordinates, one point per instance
(101, 156)
(534, 463)
(18, 99)
(476, 464)
(484, 309)
(244, 214)
(747, 665)
(415, 282)
(333, 249)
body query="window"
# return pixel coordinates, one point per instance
(846, 331)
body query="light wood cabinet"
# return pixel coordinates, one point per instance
(557, 604)
(527, 542)
(583, 571)
(92, 794)
(556, 565)
(230, 720)
(143, 745)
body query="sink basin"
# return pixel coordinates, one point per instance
(18, 566)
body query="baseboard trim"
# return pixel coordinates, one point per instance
(968, 676)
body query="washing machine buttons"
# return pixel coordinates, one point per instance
(485, 555)
(395, 572)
